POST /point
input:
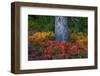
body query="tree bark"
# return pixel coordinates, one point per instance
(61, 28)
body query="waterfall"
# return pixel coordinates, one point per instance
(61, 28)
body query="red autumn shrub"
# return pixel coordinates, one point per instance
(62, 49)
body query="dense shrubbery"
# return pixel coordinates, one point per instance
(39, 37)
(41, 23)
(44, 46)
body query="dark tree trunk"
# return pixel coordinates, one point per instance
(61, 28)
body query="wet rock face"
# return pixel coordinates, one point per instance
(61, 28)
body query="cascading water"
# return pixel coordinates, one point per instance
(61, 28)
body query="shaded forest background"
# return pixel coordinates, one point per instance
(47, 23)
